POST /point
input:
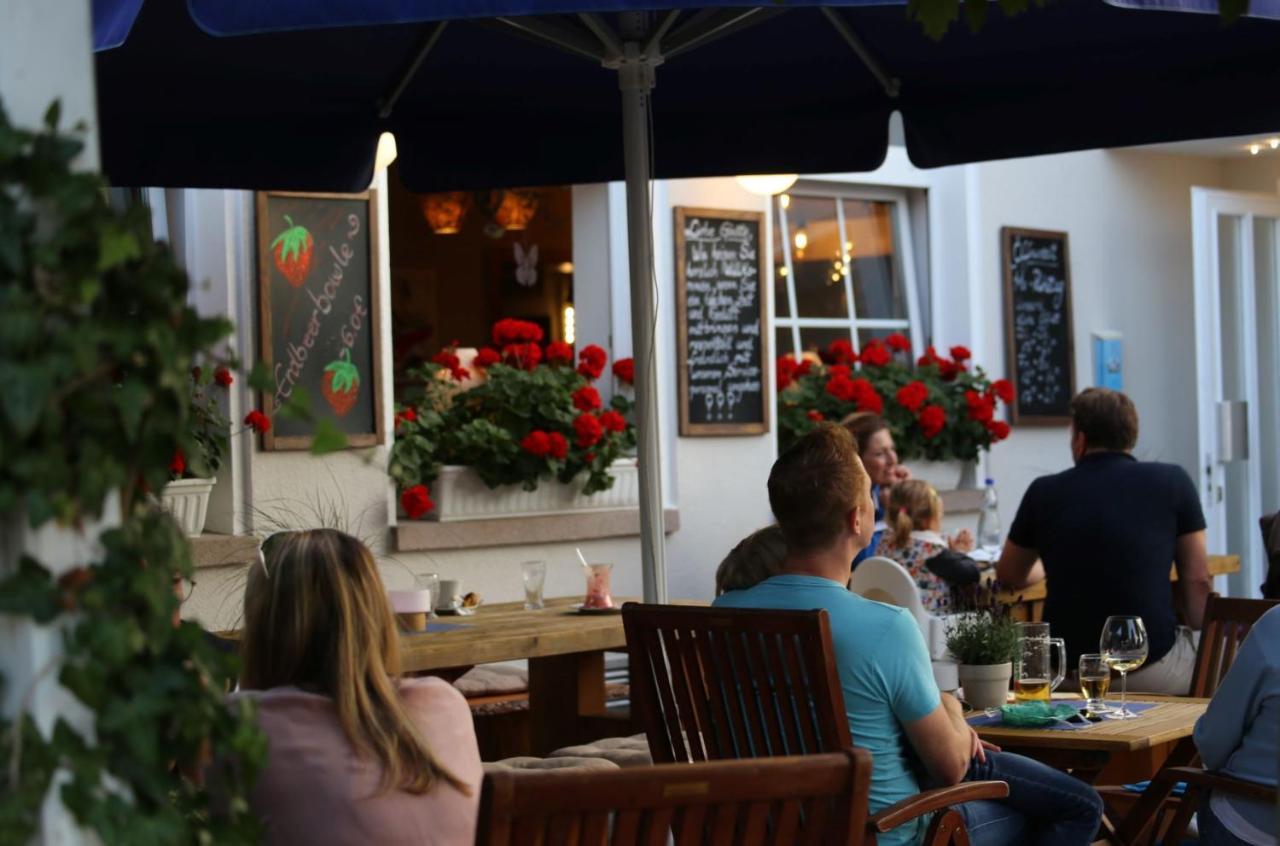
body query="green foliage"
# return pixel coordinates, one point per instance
(482, 428)
(982, 632)
(97, 345)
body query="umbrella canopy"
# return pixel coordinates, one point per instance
(746, 90)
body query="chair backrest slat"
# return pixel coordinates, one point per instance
(811, 799)
(689, 690)
(1226, 623)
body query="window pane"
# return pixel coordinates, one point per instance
(870, 243)
(814, 237)
(781, 302)
(782, 344)
(865, 335)
(813, 339)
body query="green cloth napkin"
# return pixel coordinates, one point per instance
(1035, 714)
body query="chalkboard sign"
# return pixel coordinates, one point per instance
(720, 323)
(1037, 297)
(318, 304)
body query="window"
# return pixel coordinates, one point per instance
(843, 268)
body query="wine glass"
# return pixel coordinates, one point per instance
(1124, 647)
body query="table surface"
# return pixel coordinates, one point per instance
(1172, 718)
(1219, 565)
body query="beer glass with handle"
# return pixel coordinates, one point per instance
(1124, 646)
(1033, 675)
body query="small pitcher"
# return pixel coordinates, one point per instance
(1033, 676)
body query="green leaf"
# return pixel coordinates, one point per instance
(53, 115)
(260, 378)
(30, 591)
(115, 247)
(327, 438)
(24, 389)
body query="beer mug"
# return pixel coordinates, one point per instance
(1033, 676)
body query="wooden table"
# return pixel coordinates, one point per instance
(565, 651)
(1029, 600)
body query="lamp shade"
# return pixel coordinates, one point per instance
(444, 211)
(516, 209)
(768, 184)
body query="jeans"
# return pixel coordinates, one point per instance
(1045, 806)
(1212, 831)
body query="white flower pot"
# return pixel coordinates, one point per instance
(461, 495)
(188, 501)
(986, 685)
(945, 475)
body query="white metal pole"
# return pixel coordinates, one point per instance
(635, 77)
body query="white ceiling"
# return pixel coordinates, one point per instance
(1213, 148)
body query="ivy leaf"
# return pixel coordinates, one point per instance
(30, 591)
(327, 438)
(24, 389)
(260, 378)
(936, 16)
(115, 247)
(132, 399)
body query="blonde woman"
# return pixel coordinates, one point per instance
(355, 755)
(914, 539)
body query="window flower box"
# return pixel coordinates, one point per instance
(188, 501)
(461, 495)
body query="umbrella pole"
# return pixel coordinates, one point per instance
(635, 77)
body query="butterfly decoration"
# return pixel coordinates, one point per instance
(526, 265)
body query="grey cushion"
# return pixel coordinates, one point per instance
(559, 763)
(623, 751)
(492, 680)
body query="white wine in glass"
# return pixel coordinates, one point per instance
(1095, 683)
(1124, 647)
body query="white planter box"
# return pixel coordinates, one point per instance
(460, 495)
(945, 475)
(188, 501)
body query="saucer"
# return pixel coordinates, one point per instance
(582, 609)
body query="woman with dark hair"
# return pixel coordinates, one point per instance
(356, 753)
(874, 441)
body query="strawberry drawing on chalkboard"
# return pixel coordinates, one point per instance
(341, 385)
(292, 252)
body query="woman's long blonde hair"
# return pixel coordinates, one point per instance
(316, 616)
(913, 505)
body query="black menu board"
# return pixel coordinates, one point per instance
(318, 314)
(1037, 297)
(722, 344)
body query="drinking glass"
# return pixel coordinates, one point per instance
(1124, 647)
(1033, 675)
(429, 582)
(599, 595)
(1095, 682)
(535, 574)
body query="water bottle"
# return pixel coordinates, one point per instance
(989, 535)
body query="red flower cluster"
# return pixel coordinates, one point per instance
(858, 391)
(814, 415)
(588, 429)
(947, 369)
(1003, 389)
(898, 341)
(486, 357)
(959, 354)
(624, 370)
(586, 398)
(416, 501)
(406, 416)
(840, 351)
(932, 420)
(510, 331)
(223, 377)
(558, 352)
(524, 356)
(613, 421)
(876, 354)
(448, 359)
(591, 361)
(257, 421)
(178, 465)
(790, 369)
(913, 395)
(982, 407)
(999, 430)
(542, 444)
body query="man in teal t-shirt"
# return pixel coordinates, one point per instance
(821, 497)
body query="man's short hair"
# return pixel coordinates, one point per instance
(1107, 419)
(814, 486)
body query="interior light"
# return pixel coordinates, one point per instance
(785, 201)
(570, 325)
(1273, 143)
(766, 185)
(782, 271)
(565, 267)
(386, 152)
(1254, 149)
(801, 240)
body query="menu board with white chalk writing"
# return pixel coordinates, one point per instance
(720, 323)
(1037, 297)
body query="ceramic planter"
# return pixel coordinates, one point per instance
(945, 475)
(188, 501)
(461, 495)
(986, 685)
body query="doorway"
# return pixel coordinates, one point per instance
(1236, 242)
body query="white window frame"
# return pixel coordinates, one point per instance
(903, 246)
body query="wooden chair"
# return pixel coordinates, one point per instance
(1226, 624)
(816, 799)
(710, 684)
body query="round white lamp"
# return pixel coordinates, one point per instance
(768, 184)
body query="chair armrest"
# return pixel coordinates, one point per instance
(935, 800)
(1218, 781)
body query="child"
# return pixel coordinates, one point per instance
(937, 563)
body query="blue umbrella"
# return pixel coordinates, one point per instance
(294, 93)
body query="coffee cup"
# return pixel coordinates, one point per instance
(449, 597)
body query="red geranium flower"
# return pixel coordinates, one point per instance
(586, 398)
(613, 421)
(866, 397)
(1003, 389)
(913, 395)
(257, 421)
(786, 369)
(803, 368)
(486, 357)
(591, 361)
(981, 407)
(588, 429)
(460, 374)
(930, 357)
(840, 351)
(815, 415)
(932, 421)
(898, 341)
(536, 443)
(840, 387)
(525, 356)
(223, 377)
(559, 446)
(558, 352)
(406, 416)
(178, 465)
(509, 331)
(959, 353)
(624, 370)
(875, 354)
(416, 501)
(999, 430)
(838, 370)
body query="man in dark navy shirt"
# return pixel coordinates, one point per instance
(1105, 532)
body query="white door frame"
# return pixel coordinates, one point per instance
(1207, 207)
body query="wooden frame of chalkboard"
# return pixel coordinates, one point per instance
(692, 427)
(1018, 413)
(318, 283)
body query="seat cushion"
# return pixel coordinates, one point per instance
(559, 763)
(492, 680)
(623, 751)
